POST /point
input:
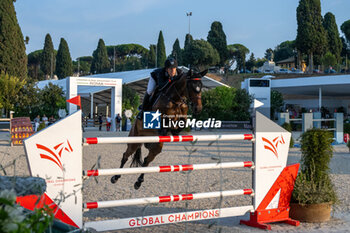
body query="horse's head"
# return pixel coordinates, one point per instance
(194, 89)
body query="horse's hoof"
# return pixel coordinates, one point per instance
(115, 178)
(137, 185)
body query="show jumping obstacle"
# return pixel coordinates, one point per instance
(55, 154)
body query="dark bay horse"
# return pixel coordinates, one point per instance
(172, 101)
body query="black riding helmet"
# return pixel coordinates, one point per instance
(170, 63)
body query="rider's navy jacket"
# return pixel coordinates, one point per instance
(162, 77)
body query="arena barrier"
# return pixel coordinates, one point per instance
(55, 154)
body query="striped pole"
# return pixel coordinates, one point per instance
(170, 168)
(161, 199)
(157, 139)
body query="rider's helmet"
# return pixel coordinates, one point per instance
(170, 63)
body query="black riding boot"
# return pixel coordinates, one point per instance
(145, 106)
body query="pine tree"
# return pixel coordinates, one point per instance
(345, 28)
(100, 62)
(217, 38)
(311, 36)
(177, 53)
(186, 54)
(161, 55)
(47, 60)
(64, 66)
(13, 58)
(334, 41)
(152, 56)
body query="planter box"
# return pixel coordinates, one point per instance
(310, 212)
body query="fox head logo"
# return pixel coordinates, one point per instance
(55, 154)
(272, 145)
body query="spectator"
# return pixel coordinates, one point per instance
(36, 123)
(118, 119)
(100, 121)
(45, 120)
(51, 120)
(108, 121)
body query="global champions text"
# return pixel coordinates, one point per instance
(172, 218)
(193, 123)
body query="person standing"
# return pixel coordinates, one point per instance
(100, 121)
(108, 121)
(118, 119)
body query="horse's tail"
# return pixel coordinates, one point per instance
(136, 159)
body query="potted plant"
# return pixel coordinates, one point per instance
(314, 194)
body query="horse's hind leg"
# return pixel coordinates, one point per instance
(129, 151)
(154, 150)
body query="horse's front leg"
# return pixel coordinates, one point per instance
(154, 150)
(129, 151)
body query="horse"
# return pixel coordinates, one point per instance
(172, 101)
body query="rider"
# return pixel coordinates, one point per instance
(159, 79)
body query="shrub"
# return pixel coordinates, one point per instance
(313, 184)
(288, 127)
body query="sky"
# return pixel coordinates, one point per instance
(257, 24)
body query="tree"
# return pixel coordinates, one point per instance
(345, 28)
(128, 56)
(329, 60)
(345, 49)
(237, 52)
(284, 50)
(131, 100)
(311, 36)
(10, 87)
(51, 99)
(34, 65)
(251, 63)
(64, 67)
(29, 103)
(161, 55)
(276, 103)
(334, 42)
(217, 38)
(269, 54)
(13, 58)
(186, 52)
(47, 59)
(100, 63)
(200, 53)
(176, 53)
(152, 56)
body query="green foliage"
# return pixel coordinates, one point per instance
(345, 52)
(64, 66)
(13, 59)
(313, 184)
(276, 102)
(34, 70)
(284, 50)
(177, 53)
(311, 36)
(333, 38)
(201, 54)
(151, 56)
(217, 38)
(84, 67)
(345, 28)
(131, 100)
(329, 60)
(14, 218)
(100, 63)
(52, 99)
(225, 103)
(238, 52)
(10, 86)
(269, 54)
(47, 59)
(288, 127)
(347, 128)
(251, 63)
(161, 55)
(187, 50)
(29, 102)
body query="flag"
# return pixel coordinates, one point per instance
(75, 100)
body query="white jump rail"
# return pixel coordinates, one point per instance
(171, 198)
(157, 139)
(169, 168)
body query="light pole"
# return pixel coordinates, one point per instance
(189, 22)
